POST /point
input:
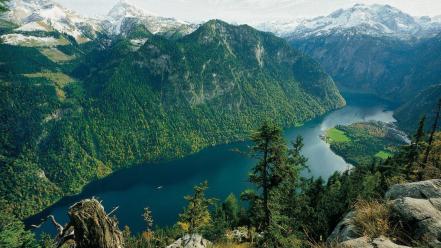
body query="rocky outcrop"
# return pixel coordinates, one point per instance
(190, 241)
(414, 207)
(417, 206)
(363, 242)
(345, 229)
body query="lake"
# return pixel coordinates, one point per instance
(163, 186)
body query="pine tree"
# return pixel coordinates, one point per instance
(269, 147)
(432, 133)
(415, 147)
(196, 215)
(148, 218)
(276, 176)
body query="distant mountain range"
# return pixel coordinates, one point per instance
(373, 20)
(46, 15)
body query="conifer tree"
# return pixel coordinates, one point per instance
(148, 218)
(196, 215)
(415, 147)
(432, 133)
(276, 176)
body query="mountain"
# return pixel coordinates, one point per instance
(80, 111)
(374, 49)
(371, 20)
(46, 16)
(123, 16)
(425, 103)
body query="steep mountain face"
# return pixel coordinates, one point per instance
(374, 49)
(390, 68)
(81, 111)
(425, 103)
(124, 15)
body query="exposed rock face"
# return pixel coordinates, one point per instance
(93, 227)
(419, 190)
(190, 241)
(418, 207)
(415, 206)
(345, 229)
(363, 242)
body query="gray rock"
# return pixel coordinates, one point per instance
(423, 218)
(190, 241)
(363, 242)
(418, 190)
(417, 206)
(345, 230)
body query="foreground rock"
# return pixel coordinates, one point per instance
(418, 207)
(414, 207)
(363, 242)
(190, 241)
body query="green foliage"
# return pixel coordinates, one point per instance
(361, 143)
(277, 176)
(3, 6)
(13, 234)
(108, 105)
(336, 135)
(196, 215)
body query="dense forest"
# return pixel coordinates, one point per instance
(286, 210)
(362, 143)
(78, 112)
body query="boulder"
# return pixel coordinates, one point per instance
(190, 241)
(345, 230)
(363, 242)
(418, 190)
(416, 207)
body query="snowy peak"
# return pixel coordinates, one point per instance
(124, 15)
(124, 9)
(45, 15)
(373, 20)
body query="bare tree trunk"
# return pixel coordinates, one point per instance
(93, 227)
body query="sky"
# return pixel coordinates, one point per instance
(247, 11)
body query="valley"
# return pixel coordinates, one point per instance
(283, 129)
(225, 167)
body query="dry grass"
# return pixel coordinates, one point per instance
(56, 55)
(59, 79)
(372, 217)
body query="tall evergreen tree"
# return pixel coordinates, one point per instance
(432, 132)
(276, 176)
(415, 147)
(196, 215)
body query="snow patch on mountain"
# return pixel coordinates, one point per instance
(123, 12)
(373, 20)
(30, 41)
(42, 15)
